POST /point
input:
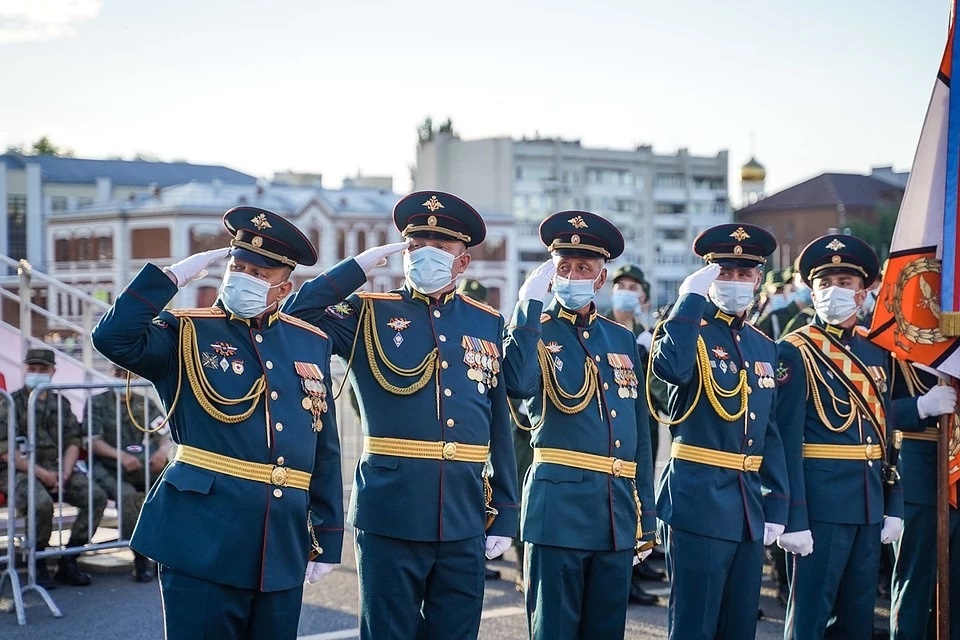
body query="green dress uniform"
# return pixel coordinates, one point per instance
(255, 489)
(588, 496)
(727, 475)
(833, 413)
(434, 412)
(912, 593)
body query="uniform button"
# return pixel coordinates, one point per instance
(443, 338)
(274, 395)
(450, 422)
(586, 334)
(738, 338)
(436, 313)
(269, 364)
(605, 386)
(444, 364)
(279, 426)
(750, 442)
(870, 462)
(617, 444)
(746, 364)
(277, 493)
(753, 416)
(869, 439)
(447, 392)
(258, 338)
(597, 358)
(280, 460)
(613, 413)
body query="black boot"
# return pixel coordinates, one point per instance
(69, 573)
(43, 575)
(141, 568)
(638, 595)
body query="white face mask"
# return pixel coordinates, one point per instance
(244, 295)
(34, 380)
(428, 269)
(574, 294)
(835, 305)
(730, 296)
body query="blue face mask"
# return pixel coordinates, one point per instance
(778, 301)
(802, 295)
(574, 294)
(625, 300)
(428, 269)
(244, 295)
(34, 380)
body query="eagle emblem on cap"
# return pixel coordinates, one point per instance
(835, 245)
(260, 222)
(433, 204)
(578, 222)
(740, 234)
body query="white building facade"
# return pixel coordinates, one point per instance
(659, 202)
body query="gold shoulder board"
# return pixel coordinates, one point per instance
(479, 305)
(303, 324)
(205, 312)
(371, 295)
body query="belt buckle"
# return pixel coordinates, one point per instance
(750, 463)
(278, 476)
(449, 450)
(617, 467)
(868, 451)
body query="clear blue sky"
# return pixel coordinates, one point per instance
(333, 86)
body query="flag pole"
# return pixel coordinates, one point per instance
(943, 529)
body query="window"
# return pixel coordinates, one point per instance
(670, 208)
(104, 248)
(341, 244)
(84, 202)
(201, 240)
(148, 243)
(361, 240)
(83, 249)
(609, 176)
(17, 227)
(670, 180)
(708, 182)
(671, 234)
(61, 250)
(58, 203)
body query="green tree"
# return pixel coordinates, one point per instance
(878, 232)
(426, 131)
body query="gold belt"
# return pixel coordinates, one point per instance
(843, 451)
(404, 448)
(714, 458)
(587, 461)
(256, 471)
(930, 435)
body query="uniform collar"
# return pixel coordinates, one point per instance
(572, 317)
(254, 323)
(837, 333)
(713, 313)
(427, 300)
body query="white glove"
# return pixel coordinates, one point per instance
(496, 545)
(645, 340)
(771, 531)
(892, 529)
(195, 267)
(377, 256)
(316, 570)
(700, 280)
(537, 284)
(940, 400)
(798, 542)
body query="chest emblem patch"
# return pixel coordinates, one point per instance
(554, 347)
(398, 324)
(720, 352)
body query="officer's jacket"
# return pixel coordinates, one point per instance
(918, 457)
(382, 334)
(233, 531)
(835, 490)
(565, 506)
(714, 501)
(47, 422)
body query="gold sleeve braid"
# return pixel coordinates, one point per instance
(426, 369)
(712, 390)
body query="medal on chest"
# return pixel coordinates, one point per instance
(315, 391)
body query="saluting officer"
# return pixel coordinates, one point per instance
(724, 493)
(588, 497)
(912, 613)
(833, 414)
(425, 362)
(254, 494)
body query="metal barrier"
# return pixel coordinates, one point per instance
(28, 547)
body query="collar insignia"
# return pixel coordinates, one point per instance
(433, 204)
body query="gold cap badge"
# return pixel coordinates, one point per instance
(740, 234)
(578, 222)
(260, 222)
(433, 204)
(835, 245)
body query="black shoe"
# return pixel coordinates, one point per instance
(141, 568)
(43, 576)
(639, 596)
(69, 573)
(645, 571)
(490, 574)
